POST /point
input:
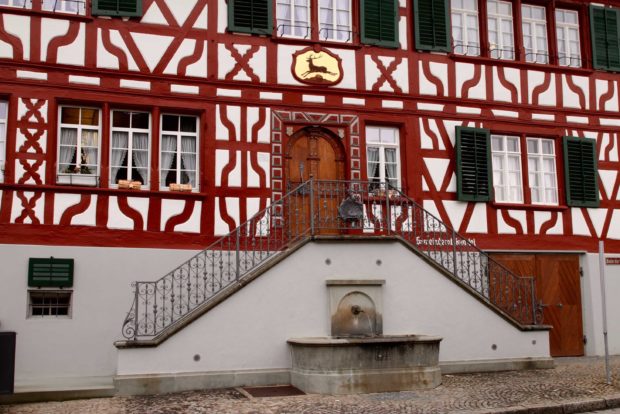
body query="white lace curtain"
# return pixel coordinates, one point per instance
(390, 165)
(373, 163)
(68, 148)
(326, 17)
(140, 155)
(168, 154)
(188, 156)
(90, 149)
(2, 148)
(120, 141)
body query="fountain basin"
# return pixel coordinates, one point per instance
(385, 363)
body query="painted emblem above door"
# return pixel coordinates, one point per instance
(316, 66)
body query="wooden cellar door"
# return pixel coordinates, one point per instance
(313, 153)
(558, 286)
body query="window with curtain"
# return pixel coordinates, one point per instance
(129, 158)
(65, 6)
(335, 20)
(78, 141)
(26, 4)
(465, 33)
(567, 30)
(293, 18)
(542, 174)
(4, 111)
(500, 30)
(382, 155)
(179, 150)
(534, 24)
(506, 159)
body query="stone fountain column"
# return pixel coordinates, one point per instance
(358, 358)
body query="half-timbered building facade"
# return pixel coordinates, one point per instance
(136, 133)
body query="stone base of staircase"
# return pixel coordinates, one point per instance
(168, 383)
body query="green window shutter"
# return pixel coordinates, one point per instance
(50, 272)
(250, 16)
(129, 8)
(379, 22)
(605, 42)
(473, 164)
(581, 172)
(432, 25)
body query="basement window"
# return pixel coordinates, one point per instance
(49, 303)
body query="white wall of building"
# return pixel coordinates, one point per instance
(51, 349)
(249, 330)
(592, 305)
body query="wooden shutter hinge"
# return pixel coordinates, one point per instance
(580, 271)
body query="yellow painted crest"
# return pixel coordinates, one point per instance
(317, 67)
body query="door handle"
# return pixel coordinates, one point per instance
(559, 305)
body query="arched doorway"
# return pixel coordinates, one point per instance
(317, 153)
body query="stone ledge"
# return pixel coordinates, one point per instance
(494, 365)
(56, 395)
(169, 383)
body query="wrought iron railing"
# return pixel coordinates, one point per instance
(325, 208)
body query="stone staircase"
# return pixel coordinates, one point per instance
(313, 210)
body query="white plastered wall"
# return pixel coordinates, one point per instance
(51, 351)
(249, 330)
(592, 305)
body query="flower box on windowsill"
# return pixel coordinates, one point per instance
(180, 187)
(78, 179)
(380, 192)
(129, 185)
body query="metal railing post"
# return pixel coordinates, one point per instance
(454, 251)
(311, 207)
(135, 330)
(388, 220)
(238, 258)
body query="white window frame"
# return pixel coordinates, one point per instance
(567, 58)
(50, 292)
(23, 4)
(501, 50)
(130, 132)
(337, 32)
(534, 54)
(179, 134)
(78, 178)
(296, 29)
(77, 7)
(465, 46)
(540, 156)
(382, 146)
(505, 172)
(3, 133)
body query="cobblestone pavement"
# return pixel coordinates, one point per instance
(578, 381)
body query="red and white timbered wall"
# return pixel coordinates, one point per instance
(179, 58)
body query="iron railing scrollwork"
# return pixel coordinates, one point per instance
(314, 208)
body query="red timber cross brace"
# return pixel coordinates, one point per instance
(434, 91)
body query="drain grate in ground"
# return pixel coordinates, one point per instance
(273, 391)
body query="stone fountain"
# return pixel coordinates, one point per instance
(357, 357)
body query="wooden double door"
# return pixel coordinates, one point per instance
(315, 152)
(558, 286)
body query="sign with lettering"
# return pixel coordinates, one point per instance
(612, 260)
(423, 241)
